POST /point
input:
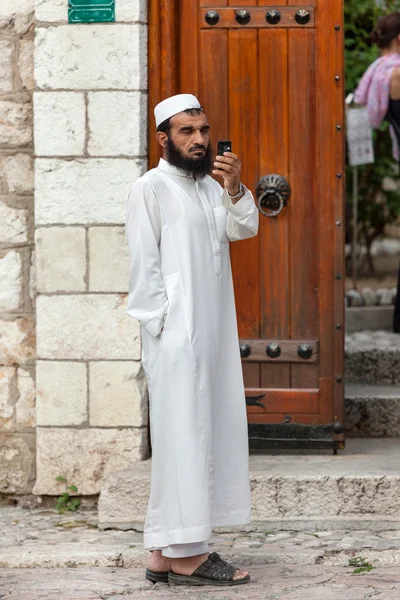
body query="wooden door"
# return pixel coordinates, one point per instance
(270, 78)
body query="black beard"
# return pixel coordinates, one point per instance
(198, 167)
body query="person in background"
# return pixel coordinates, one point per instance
(379, 90)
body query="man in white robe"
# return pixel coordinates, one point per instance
(179, 225)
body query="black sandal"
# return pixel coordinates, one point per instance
(157, 576)
(213, 571)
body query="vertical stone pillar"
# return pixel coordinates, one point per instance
(17, 338)
(90, 128)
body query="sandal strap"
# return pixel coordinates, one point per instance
(215, 568)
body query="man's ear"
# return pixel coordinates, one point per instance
(162, 138)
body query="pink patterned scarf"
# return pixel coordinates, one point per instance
(373, 91)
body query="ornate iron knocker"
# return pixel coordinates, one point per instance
(273, 193)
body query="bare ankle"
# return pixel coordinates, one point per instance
(188, 564)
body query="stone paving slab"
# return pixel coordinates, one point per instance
(269, 582)
(74, 560)
(44, 539)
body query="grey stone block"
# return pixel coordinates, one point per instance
(17, 463)
(369, 318)
(372, 410)
(372, 357)
(124, 496)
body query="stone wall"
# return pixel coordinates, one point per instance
(17, 336)
(89, 130)
(90, 143)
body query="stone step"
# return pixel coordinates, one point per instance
(360, 487)
(369, 318)
(372, 410)
(372, 357)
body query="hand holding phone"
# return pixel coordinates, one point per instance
(228, 167)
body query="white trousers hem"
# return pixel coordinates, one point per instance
(184, 550)
(189, 535)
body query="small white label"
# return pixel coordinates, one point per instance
(359, 137)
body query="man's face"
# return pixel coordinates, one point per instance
(187, 145)
(190, 135)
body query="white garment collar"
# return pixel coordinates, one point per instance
(168, 168)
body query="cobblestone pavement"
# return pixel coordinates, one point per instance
(45, 556)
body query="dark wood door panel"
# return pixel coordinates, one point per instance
(304, 376)
(304, 213)
(251, 375)
(213, 82)
(243, 128)
(274, 233)
(274, 151)
(275, 376)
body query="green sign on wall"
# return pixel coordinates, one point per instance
(91, 11)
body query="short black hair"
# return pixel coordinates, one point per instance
(165, 126)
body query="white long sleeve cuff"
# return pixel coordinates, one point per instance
(242, 220)
(242, 208)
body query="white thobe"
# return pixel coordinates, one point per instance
(181, 291)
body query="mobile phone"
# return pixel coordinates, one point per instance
(224, 146)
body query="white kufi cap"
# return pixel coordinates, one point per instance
(174, 105)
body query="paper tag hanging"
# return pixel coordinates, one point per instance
(359, 136)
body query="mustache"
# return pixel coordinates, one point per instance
(197, 147)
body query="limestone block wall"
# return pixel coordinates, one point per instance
(90, 144)
(17, 332)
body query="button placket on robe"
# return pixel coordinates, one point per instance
(215, 244)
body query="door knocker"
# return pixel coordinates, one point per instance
(273, 193)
